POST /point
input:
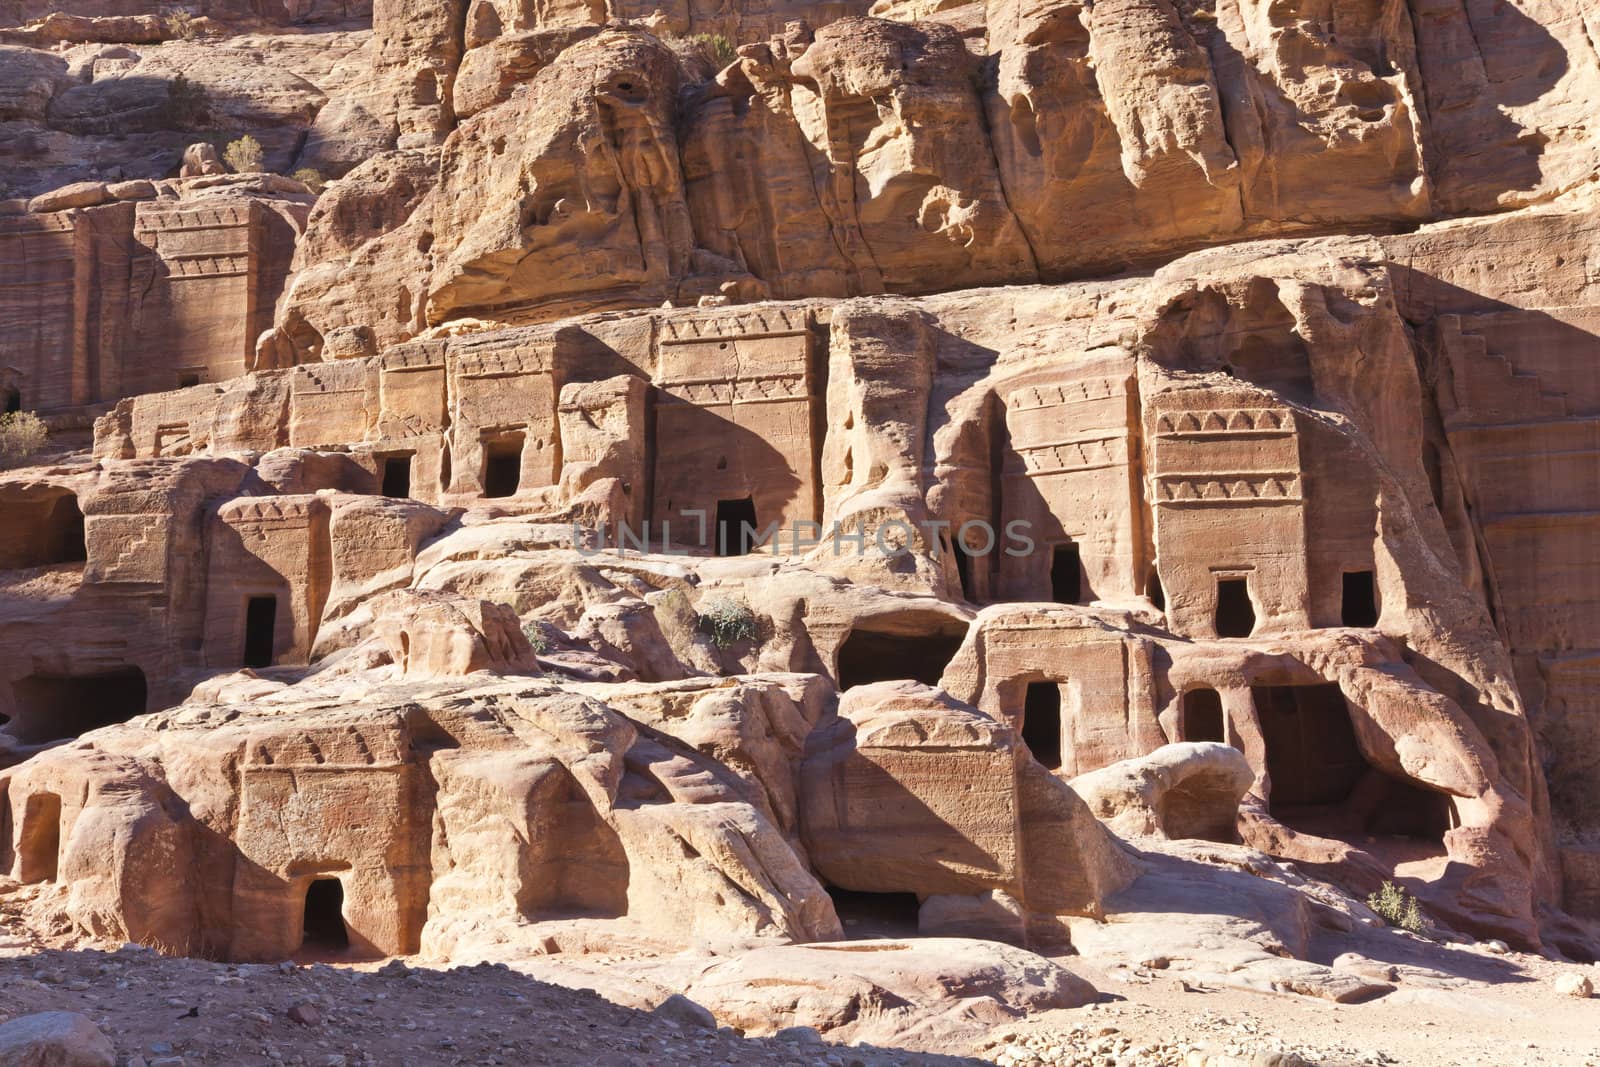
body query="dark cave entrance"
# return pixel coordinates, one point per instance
(1066, 574)
(869, 656)
(1203, 719)
(324, 926)
(67, 536)
(42, 532)
(963, 556)
(1358, 605)
(10, 401)
(397, 476)
(1312, 755)
(875, 915)
(260, 629)
(58, 707)
(1041, 723)
(736, 527)
(1236, 616)
(1320, 781)
(502, 465)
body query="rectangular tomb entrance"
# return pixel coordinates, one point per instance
(1359, 601)
(1203, 719)
(397, 476)
(1066, 574)
(260, 626)
(1041, 723)
(502, 465)
(324, 926)
(736, 527)
(1236, 616)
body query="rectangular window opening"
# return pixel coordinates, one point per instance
(397, 476)
(1066, 574)
(1358, 605)
(1236, 616)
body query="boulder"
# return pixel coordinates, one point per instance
(433, 635)
(991, 914)
(685, 1012)
(489, 73)
(200, 159)
(59, 26)
(78, 194)
(871, 991)
(1190, 789)
(54, 1039)
(1575, 985)
(29, 78)
(134, 190)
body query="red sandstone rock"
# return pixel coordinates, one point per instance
(80, 194)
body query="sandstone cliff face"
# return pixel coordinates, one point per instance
(874, 156)
(877, 126)
(575, 182)
(1092, 378)
(862, 156)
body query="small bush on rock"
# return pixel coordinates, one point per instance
(22, 435)
(310, 178)
(536, 636)
(717, 48)
(1397, 907)
(728, 622)
(179, 23)
(703, 54)
(244, 155)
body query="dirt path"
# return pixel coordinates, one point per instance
(181, 1013)
(1519, 1021)
(1452, 1005)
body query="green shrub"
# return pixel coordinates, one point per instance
(713, 50)
(728, 622)
(536, 636)
(22, 436)
(1397, 907)
(244, 155)
(310, 178)
(179, 23)
(716, 48)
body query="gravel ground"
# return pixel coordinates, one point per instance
(170, 1012)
